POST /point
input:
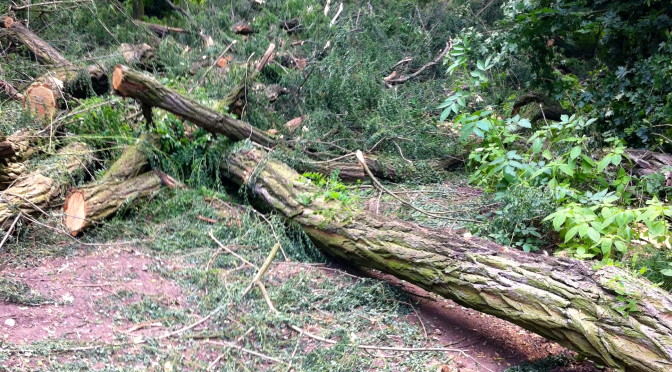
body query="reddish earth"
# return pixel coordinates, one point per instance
(80, 287)
(88, 288)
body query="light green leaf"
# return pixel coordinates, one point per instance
(576, 151)
(559, 220)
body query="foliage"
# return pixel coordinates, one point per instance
(519, 219)
(606, 59)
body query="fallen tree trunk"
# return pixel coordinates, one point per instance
(7, 91)
(563, 300)
(36, 191)
(125, 181)
(149, 92)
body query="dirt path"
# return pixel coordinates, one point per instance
(493, 343)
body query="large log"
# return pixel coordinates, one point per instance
(561, 299)
(36, 191)
(564, 300)
(126, 180)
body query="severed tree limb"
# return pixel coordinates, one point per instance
(37, 190)
(564, 300)
(127, 179)
(145, 89)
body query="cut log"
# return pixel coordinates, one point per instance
(44, 52)
(40, 101)
(94, 203)
(126, 180)
(145, 89)
(65, 77)
(37, 190)
(564, 300)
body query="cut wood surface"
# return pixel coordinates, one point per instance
(36, 191)
(126, 180)
(40, 101)
(564, 300)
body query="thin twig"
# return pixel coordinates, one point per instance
(9, 231)
(247, 351)
(405, 78)
(264, 268)
(234, 254)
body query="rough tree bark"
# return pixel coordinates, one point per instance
(126, 180)
(35, 191)
(561, 299)
(42, 51)
(149, 92)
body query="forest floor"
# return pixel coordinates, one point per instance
(116, 305)
(112, 292)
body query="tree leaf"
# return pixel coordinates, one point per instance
(559, 220)
(576, 151)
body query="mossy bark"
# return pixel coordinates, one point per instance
(36, 191)
(561, 299)
(145, 89)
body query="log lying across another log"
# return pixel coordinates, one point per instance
(42, 51)
(127, 179)
(148, 91)
(564, 300)
(36, 191)
(145, 89)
